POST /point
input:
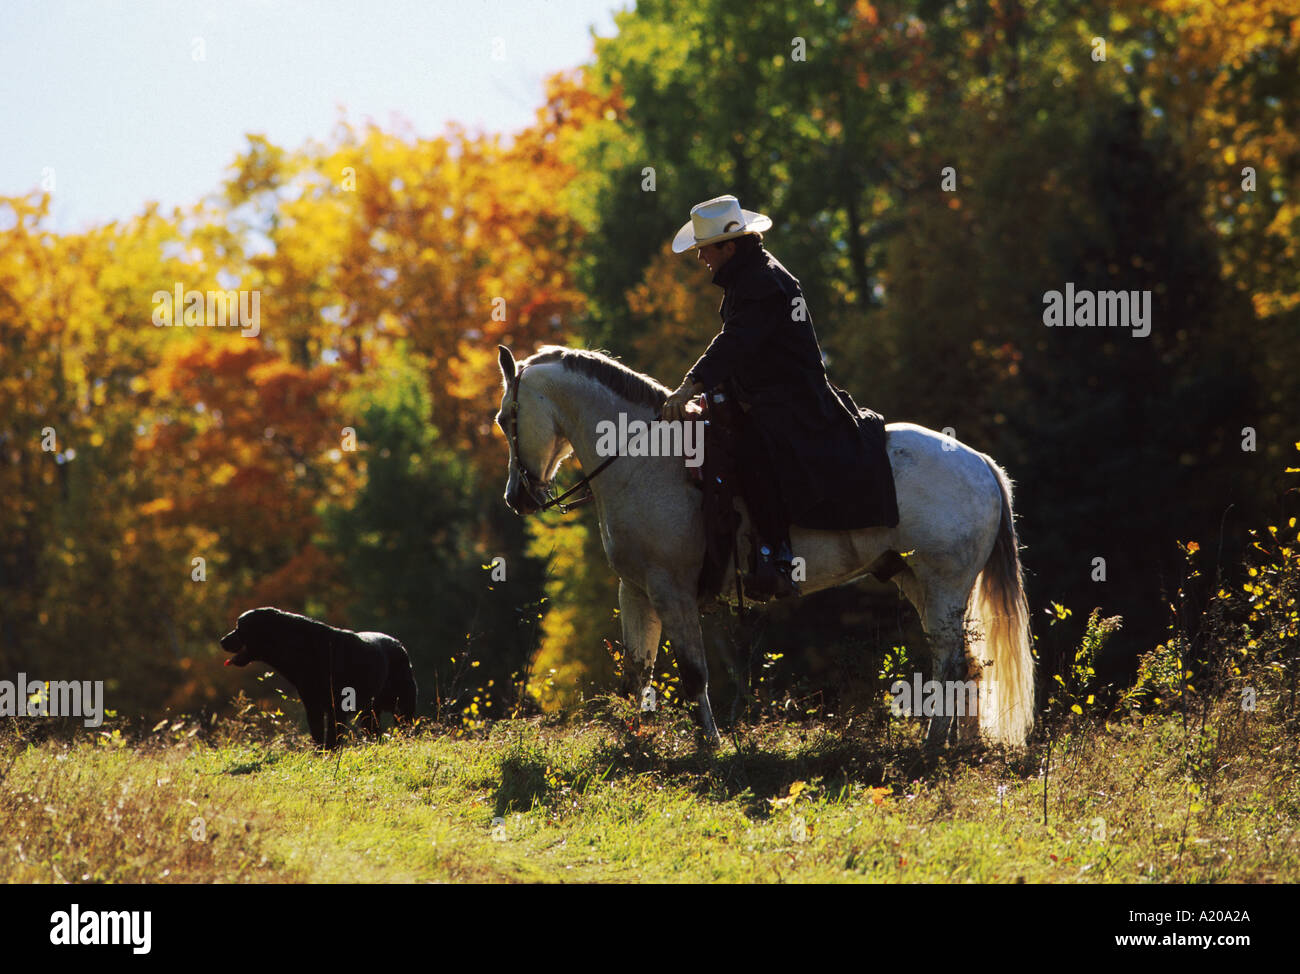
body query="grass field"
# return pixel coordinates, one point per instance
(594, 798)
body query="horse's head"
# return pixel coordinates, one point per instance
(537, 447)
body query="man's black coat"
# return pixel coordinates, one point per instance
(827, 455)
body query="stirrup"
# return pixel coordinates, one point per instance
(772, 577)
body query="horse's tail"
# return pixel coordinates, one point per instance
(1001, 613)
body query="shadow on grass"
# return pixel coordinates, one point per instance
(747, 768)
(523, 784)
(252, 767)
(756, 776)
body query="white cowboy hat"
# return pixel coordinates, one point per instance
(716, 220)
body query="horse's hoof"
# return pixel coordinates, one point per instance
(708, 737)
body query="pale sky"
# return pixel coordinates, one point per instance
(109, 96)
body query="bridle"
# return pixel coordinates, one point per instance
(542, 492)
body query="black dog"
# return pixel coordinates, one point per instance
(337, 673)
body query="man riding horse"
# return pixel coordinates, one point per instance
(814, 461)
(801, 453)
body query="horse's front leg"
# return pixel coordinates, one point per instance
(641, 630)
(680, 614)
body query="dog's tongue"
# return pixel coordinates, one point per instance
(229, 660)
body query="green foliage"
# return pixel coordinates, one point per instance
(1160, 679)
(411, 555)
(1073, 692)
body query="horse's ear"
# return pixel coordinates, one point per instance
(507, 362)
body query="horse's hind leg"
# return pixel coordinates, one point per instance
(945, 628)
(641, 629)
(968, 724)
(941, 604)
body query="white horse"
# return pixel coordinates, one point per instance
(956, 531)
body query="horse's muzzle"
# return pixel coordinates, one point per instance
(521, 502)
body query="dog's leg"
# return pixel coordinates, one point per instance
(369, 719)
(316, 724)
(331, 729)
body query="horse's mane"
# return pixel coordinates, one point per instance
(613, 375)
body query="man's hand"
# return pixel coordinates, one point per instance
(675, 405)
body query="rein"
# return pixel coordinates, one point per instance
(542, 492)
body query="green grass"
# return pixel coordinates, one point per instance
(546, 800)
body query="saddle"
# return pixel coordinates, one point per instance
(718, 478)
